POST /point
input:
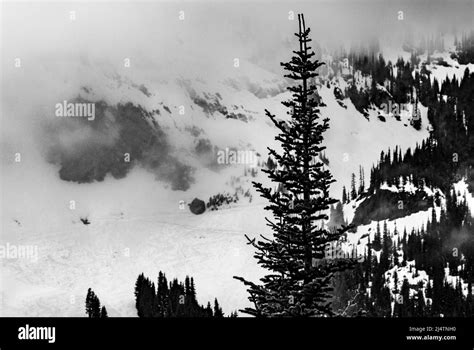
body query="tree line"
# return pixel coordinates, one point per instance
(173, 299)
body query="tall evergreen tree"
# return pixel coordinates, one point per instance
(217, 309)
(92, 304)
(103, 312)
(299, 282)
(208, 310)
(386, 255)
(361, 180)
(89, 302)
(162, 295)
(139, 284)
(95, 306)
(353, 187)
(377, 243)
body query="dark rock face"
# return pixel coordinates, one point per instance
(238, 116)
(119, 138)
(338, 93)
(210, 104)
(197, 206)
(85, 221)
(112, 143)
(388, 205)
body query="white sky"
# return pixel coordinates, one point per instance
(108, 29)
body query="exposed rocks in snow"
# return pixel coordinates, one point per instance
(85, 221)
(386, 204)
(197, 206)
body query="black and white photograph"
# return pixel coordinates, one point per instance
(309, 162)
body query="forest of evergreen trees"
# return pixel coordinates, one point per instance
(173, 299)
(403, 81)
(447, 242)
(465, 48)
(93, 309)
(447, 155)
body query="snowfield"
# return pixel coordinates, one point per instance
(109, 254)
(136, 225)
